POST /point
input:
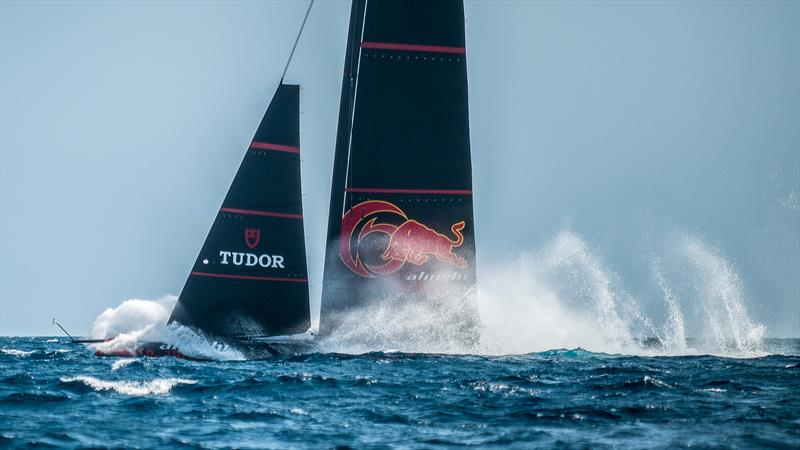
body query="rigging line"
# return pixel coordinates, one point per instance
(288, 61)
(354, 95)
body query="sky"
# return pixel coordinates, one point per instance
(627, 123)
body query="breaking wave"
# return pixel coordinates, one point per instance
(15, 352)
(120, 363)
(158, 386)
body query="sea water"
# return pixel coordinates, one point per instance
(561, 360)
(54, 394)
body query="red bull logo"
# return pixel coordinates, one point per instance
(409, 242)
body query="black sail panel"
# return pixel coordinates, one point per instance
(250, 278)
(401, 215)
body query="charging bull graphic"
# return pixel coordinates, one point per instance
(410, 242)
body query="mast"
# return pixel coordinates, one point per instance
(250, 278)
(401, 215)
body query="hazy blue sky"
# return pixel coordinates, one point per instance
(122, 124)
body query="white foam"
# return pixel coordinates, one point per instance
(15, 352)
(118, 364)
(136, 321)
(157, 386)
(716, 390)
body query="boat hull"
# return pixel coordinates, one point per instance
(250, 350)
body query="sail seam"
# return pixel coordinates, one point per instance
(249, 277)
(411, 191)
(413, 47)
(276, 147)
(252, 212)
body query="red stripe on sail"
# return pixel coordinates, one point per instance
(412, 191)
(276, 147)
(413, 47)
(251, 212)
(250, 277)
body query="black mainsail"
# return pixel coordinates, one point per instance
(250, 279)
(401, 215)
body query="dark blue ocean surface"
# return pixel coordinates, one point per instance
(53, 394)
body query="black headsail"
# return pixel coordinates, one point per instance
(250, 278)
(401, 217)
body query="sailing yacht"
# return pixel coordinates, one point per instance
(249, 284)
(400, 226)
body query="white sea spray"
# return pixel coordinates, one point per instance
(564, 295)
(136, 321)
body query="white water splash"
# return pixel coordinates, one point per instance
(562, 296)
(134, 315)
(442, 324)
(568, 298)
(120, 363)
(17, 353)
(158, 386)
(720, 294)
(674, 332)
(137, 321)
(565, 296)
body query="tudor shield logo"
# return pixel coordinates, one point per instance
(252, 236)
(409, 242)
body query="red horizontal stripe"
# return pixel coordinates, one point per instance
(412, 191)
(250, 212)
(250, 277)
(276, 147)
(414, 48)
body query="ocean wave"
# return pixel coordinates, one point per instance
(15, 352)
(122, 363)
(563, 397)
(157, 386)
(30, 398)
